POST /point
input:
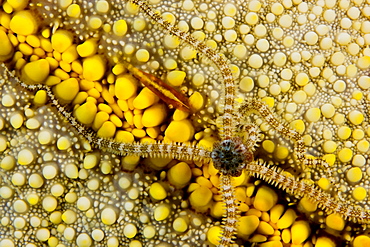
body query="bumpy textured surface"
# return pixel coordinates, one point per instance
(301, 71)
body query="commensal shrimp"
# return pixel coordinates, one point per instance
(171, 96)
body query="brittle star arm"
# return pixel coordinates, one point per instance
(260, 108)
(306, 188)
(155, 150)
(217, 59)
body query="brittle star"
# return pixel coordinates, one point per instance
(231, 155)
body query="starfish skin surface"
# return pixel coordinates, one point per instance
(307, 61)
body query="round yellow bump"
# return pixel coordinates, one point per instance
(200, 197)
(18, 179)
(214, 234)
(281, 153)
(161, 212)
(120, 28)
(26, 157)
(277, 8)
(179, 175)
(356, 117)
(268, 146)
(344, 132)
(265, 199)
(196, 101)
(157, 191)
(67, 89)
(279, 59)
(324, 183)
(7, 163)
(196, 23)
(142, 55)
(83, 203)
(71, 171)
(6, 47)
(361, 241)
(94, 68)
(43, 234)
(251, 18)
(363, 146)
(97, 235)
(358, 160)
(313, 114)
(287, 219)
(302, 79)
(69, 216)
(364, 82)
(6, 192)
(176, 78)
(330, 146)
(23, 23)
(343, 38)
(180, 131)
(345, 155)
(300, 231)
(285, 21)
(324, 242)
(228, 22)
(19, 223)
(307, 205)
(102, 6)
(36, 72)
(171, 41)
(328, 110)
(20, 206)
(230, 35)
(86, 113)
(145, 99)
(246, 84)
(87, 48)
(318, 60)
(74, 10)
(61, 40)
(83, 240)
(180, 224)
(337, 58)
(130, 230)
(149, 232)
(359, 193)
(35, 181)
(107, 130)
(299, 96)
(311, 38)
(326, 43)
(354, 175)
(255, 61)
(69, 233)
(339, 86)
(125, 87)
(108, 216)
(248, 225)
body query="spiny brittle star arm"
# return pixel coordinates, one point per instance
(155, 150)
(260, 108)
(217, 59)
(306, 188)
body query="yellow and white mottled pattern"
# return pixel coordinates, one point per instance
(308, 60)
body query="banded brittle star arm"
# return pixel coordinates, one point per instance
(306, 188)
(156, 150)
